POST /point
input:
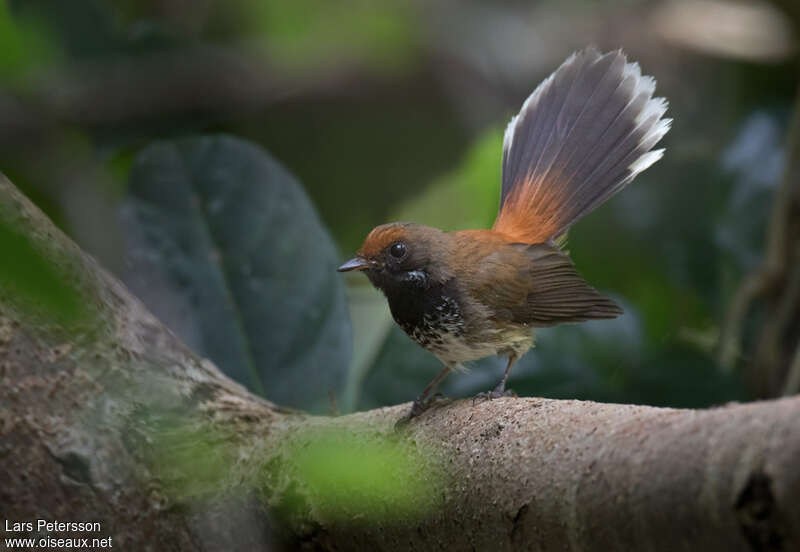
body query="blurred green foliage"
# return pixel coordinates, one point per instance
(191, 460)
(308, 33)
(354, 479)
(35, 285)
(351, 477)
(24, 43)
(466, 197)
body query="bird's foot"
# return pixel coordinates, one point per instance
(418, 407)
(496, 393)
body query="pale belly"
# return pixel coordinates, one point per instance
(448, 341)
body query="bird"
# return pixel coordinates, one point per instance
(581, 136)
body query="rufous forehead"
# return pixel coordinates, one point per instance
(381, 237)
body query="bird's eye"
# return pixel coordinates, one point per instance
(398, 250)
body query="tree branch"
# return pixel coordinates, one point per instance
(97, 424)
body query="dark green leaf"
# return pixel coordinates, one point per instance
(225, 248)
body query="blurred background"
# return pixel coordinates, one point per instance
(389, 111)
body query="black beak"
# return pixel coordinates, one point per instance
(356, 263)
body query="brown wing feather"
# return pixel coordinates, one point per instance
(536, 285)
(558, 293)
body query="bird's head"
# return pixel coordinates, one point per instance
(401, 254)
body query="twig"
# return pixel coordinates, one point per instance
(766, 279)
(793, 377)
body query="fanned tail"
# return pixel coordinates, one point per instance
(583, 134)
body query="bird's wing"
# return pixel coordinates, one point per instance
(580, 137)
(536, 285)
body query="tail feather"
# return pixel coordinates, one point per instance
(583, 134)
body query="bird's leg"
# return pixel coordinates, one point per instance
(501, 387)
(422, 401)
(500, 390)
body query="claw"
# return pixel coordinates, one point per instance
(494, 394)
(417, 408)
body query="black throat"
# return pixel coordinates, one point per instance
(418, 304)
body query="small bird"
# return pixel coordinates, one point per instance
(582, 135)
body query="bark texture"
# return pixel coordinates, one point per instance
(82, 410)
